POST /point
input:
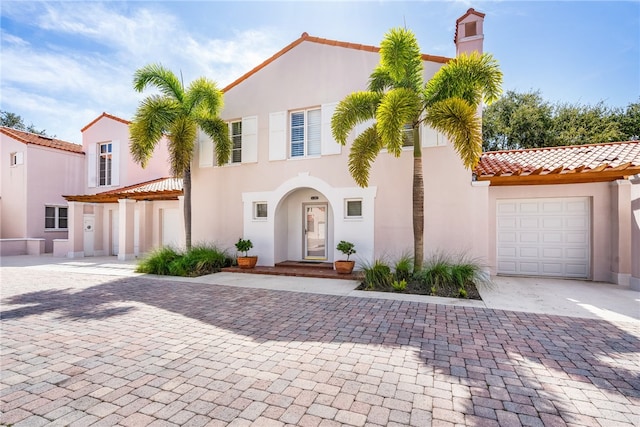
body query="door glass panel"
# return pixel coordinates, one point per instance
(315, 223)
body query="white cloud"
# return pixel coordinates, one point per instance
(61, 87)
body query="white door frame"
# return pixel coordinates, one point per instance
(320, 229)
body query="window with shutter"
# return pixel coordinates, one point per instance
(236, 138)
(305, 133)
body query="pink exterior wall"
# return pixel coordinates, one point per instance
(129, 172)
(45, 175)
(300, 79)
(601, 218)
(635, 233)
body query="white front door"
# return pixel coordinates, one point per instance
(315, 231)
(544, 237)
(89, 226)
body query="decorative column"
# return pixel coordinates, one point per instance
(126, 218)
(75, 224)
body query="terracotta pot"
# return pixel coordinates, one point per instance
(247, 261)
(344, 267)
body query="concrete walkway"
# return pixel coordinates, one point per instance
(91, 343)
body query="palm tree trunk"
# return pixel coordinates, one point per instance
(187, 207)
(418, 204)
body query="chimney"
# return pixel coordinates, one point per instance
(469, 32)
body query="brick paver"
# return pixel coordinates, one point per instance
(87, 349)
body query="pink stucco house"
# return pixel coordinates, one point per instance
(121, 209)
(35, 171)
(565, 212)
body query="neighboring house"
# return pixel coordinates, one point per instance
(122, 209)
(35, 171)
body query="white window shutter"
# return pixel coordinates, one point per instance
(329, 144)
(361, 127)
(278, 135)
(19, 158)
(115, 162)
(431, 137)
(250, 139)
(205, 150)
(92, 164)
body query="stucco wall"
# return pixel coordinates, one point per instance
(130, 173)
(309, 76)
(13, 196)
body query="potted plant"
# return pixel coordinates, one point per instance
(245, 261)
(345, 266)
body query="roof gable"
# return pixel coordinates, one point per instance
(103, 115)
(40, 140)
(305, 37)
(560, 165)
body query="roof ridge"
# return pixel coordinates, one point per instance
(560, 147)
(314, 39)
(27, 137)
(107, 115)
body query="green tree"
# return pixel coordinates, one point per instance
(399, 101)
(177, 114)
(517, 120)
(584, 124)
(629, 121)
(15, 121)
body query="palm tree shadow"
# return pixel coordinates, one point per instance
(464, 343)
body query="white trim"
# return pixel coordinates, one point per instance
(115, 163)
(278, 135)
(205, 150)
(328, 144)
(249, 145)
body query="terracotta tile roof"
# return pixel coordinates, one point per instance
(305, 37)
(576, 163)
(43, 141)
(157, 189)
(110, 116)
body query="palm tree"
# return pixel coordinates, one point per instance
(177, 114)
(399, 102)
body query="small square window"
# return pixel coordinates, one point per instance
(259, 210)
(353, 208)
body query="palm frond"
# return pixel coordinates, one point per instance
(151, 120)
(474, 78)
(400, 57)
(218, 130)
(363, 152)
(398, 107)
(204, 97)
(380, 80)
(163, 79)
(457, 119)
(182, 136)
(355, 108)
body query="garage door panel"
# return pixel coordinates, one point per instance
(529, 252)
(544, 237)
(551, 207)
(552, 268)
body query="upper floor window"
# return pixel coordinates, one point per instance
(15, 159)
(55, 217)
(105, 162)
(236, 139)
(305, 133)
(407, 135)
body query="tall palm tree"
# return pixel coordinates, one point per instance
(398, 100)
(177, 114)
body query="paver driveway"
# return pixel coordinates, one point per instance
(79, 349)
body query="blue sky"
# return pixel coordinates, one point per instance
(64, 63)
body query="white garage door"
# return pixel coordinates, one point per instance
(544, 237)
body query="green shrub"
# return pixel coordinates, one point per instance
(244, 245)
(377, 276)
(200, 260)
(158, 261)
(450, 274)
(399, 286)
(403, 267)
